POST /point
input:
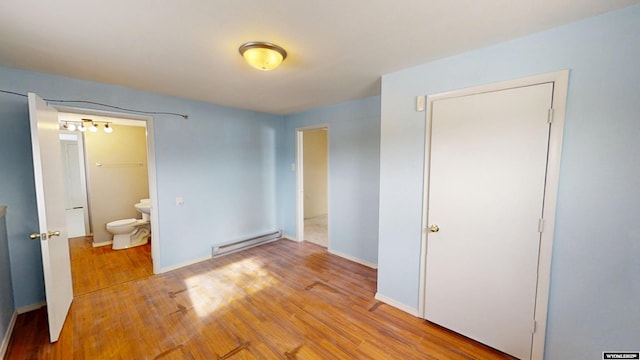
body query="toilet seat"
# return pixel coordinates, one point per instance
(123, 222)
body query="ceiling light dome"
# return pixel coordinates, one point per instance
(263, 55)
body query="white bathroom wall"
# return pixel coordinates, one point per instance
(121, 181)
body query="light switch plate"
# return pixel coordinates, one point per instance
(420, 103)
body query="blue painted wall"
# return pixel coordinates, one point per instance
(7, 307)
(222, 161)
(17, 191)
(354, 171)
(595, 289)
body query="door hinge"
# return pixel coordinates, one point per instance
(550, 116)
(533, 326)
(540, 225)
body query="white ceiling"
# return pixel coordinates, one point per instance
(338, 49)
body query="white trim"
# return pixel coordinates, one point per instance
(105, 113)
(397, 305)
(7, 336)
(560, 79)
(560, 90)
(153, 197)
(151, 168)
(86, 212)
(27, 308)
(181, 265)
(104, 243)
(354, 259)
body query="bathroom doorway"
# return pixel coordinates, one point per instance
(106, 172)
(116, 163)
(313, 186)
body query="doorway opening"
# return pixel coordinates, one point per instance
(107, 173)
(312, 153)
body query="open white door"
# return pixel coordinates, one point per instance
(47, 168)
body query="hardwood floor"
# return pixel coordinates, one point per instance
(282, 300)
(101, 267)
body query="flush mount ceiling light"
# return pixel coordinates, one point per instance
(263, 55)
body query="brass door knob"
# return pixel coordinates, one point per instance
(44, 236)
(434, 228)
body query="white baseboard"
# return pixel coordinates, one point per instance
(104, 243)
(397, 305)
(26, 309)
(289, 237)
(354, 259)
(186, 263)
(7, 336)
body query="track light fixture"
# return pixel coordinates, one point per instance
(85, 124)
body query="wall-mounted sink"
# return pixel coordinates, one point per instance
(143, 208)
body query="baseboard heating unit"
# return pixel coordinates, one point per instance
(230, 247)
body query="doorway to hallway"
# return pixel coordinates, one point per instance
(313, 209)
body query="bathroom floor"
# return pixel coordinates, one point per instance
(316, 230)
(96, 268)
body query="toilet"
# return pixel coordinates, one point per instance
(128, 233)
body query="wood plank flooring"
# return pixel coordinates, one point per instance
(282, 300)
(101, 267)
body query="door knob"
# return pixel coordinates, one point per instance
(44, 236)
(434, 228)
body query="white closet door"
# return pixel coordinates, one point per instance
(486, 187)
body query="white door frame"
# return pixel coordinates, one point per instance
(300, 178)
(560, 80)
(151, 160)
